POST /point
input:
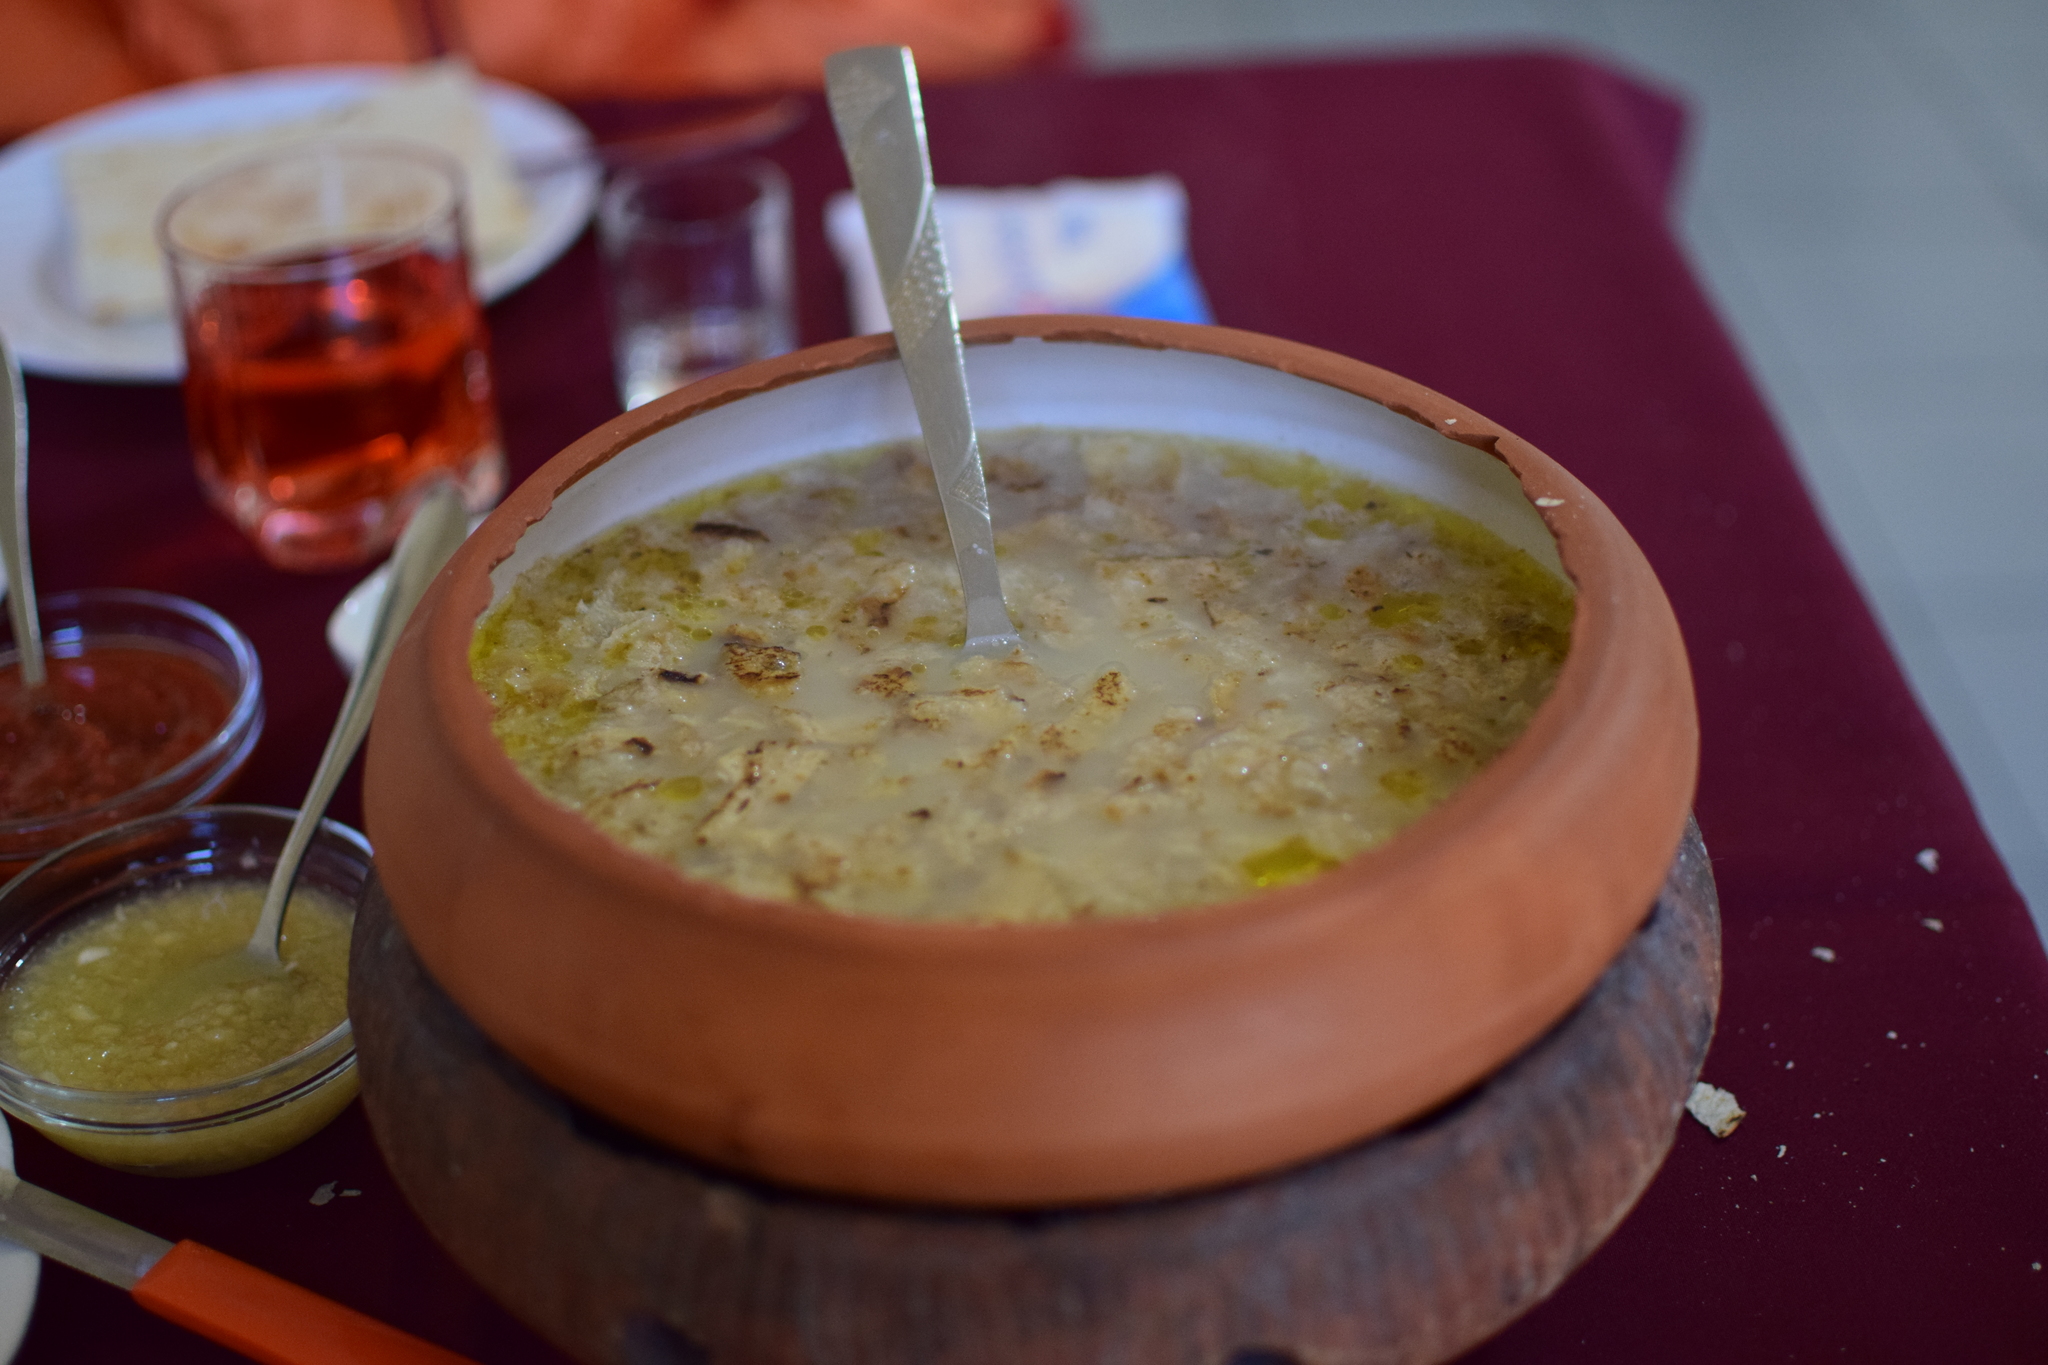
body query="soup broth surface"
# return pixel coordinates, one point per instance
(1241, 667)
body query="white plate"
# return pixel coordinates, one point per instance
(52, 338)
(348, 629)
(19, 1270)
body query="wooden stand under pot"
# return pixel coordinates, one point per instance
(1406, 1249)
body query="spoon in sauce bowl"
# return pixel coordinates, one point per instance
(21, 587)
(436, 529)
(877, 109)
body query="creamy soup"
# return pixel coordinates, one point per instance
(1241, 667)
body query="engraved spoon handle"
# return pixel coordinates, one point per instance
(434, 533)
(880, 117)
(21, 584)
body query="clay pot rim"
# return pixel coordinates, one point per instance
(1489, 798)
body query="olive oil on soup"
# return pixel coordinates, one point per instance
(1242, 666)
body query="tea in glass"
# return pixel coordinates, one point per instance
(336, 360)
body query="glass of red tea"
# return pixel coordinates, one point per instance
(336, 363)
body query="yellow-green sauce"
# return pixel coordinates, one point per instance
(1241, 667)
(97, 1006)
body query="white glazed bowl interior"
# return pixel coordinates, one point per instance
(1032, 383)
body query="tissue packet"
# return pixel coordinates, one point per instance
(1070, 246)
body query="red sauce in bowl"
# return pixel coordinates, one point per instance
(107, 721)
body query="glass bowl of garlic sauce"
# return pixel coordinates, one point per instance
(97, 1055)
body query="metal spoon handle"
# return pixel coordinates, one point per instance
(21, 584)
(880, 117)
(435, 531)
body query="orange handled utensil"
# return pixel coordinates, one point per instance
(219, 1297)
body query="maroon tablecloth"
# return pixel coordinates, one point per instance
(1497, 228)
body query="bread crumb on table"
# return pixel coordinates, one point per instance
(1824, 954)
(1928, 859)
(1714, 1107)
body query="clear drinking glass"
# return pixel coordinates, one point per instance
(336, 363)
(699, 272)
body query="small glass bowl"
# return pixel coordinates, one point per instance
(219, 1127)
(126, 617)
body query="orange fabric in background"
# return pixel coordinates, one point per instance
(60, 56)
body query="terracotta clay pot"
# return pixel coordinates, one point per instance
(1042, 1064)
